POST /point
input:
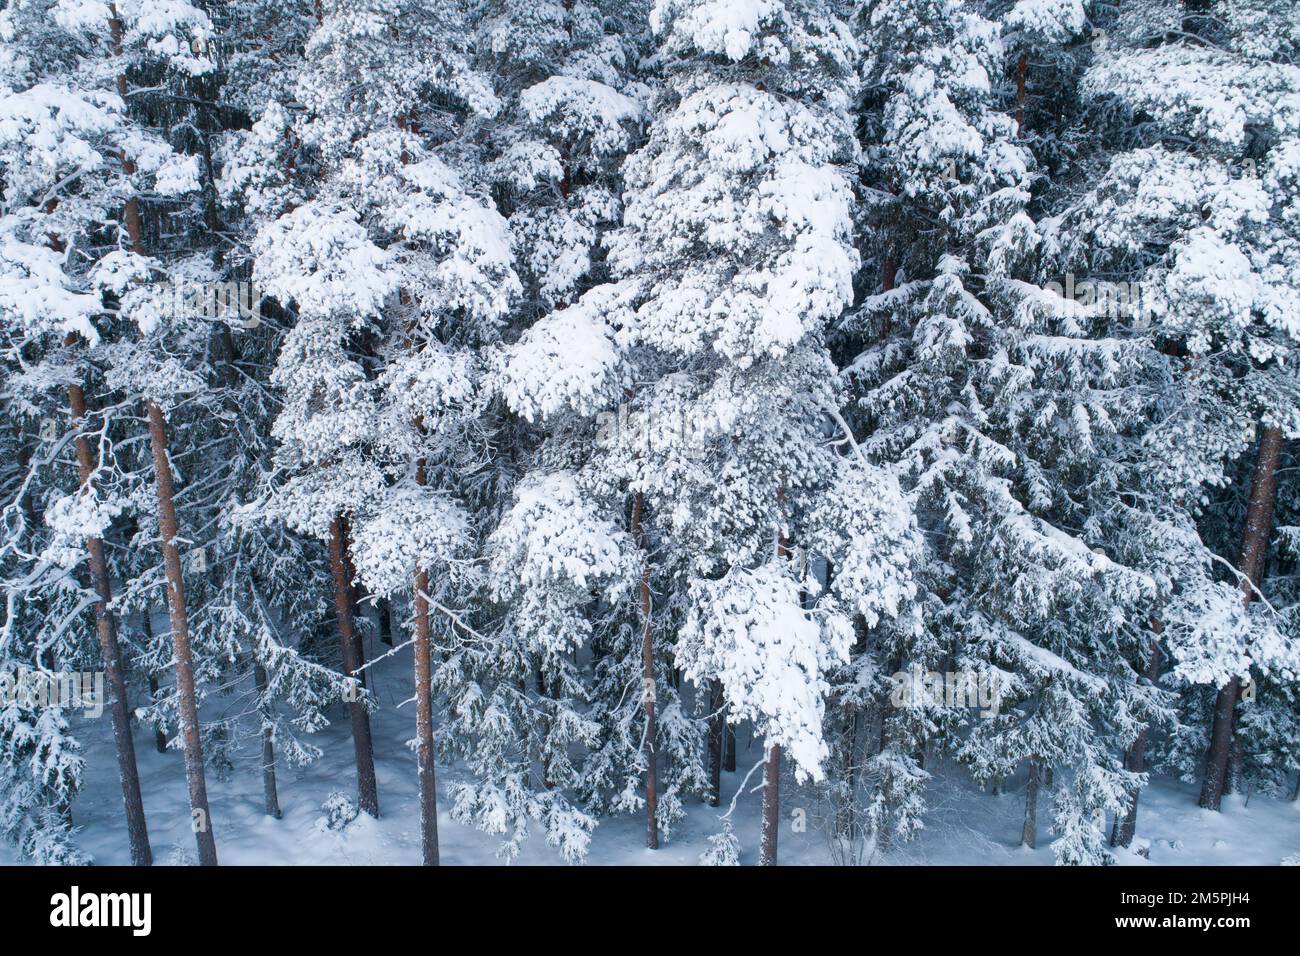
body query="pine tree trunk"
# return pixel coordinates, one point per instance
(716, 732)
(111, 654)
(350, 573)
(268, 744)
(367, 788)
(424, 713)
(648, 683)
(1029, 835)
(1216, 762)
(1232, 778)
(424, 723)
(386, 622)
(167, 524)
(1022, 71)
(771, 805)
(105, 626)
(1135, 756)
(1254, 552)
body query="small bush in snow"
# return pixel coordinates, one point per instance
(339, 812)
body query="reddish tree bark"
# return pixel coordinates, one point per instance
(200, 813)
(1022, 71)
(1254, 552)
(424, 711)
(111, 654)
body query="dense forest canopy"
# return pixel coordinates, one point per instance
(911, 383)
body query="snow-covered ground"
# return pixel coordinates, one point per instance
(964, 825)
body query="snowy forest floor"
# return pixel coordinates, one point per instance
(964, 825)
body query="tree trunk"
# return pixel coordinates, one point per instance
(716, 731)
(1135, 756)
(367, 788)
(648, 682)
(1254, 552)
(1029, 835)
(424, 712)
(386, 622)
(1022, 71)
(201, 816)
(111, 654)
(1233, 778)
(1216, 763)
(268, 744)
(771, 805)
(354, 603)
(105, 626)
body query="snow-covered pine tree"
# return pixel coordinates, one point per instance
(276, 601)
(146, 367)
(533, 725)
(457, 286)
(734, 255)
(381, 370)
(1003, 409)
(565, 72)
(77, 159)
(1207, 101)
(314, 256)
(42, 633)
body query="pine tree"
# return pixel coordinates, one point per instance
(733, 256)
(1222, 267)
(103, 153)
